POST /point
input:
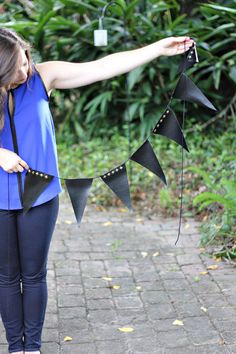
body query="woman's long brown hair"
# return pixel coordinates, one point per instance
(10, 43)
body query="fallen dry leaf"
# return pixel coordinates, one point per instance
(144, 254)
(203, 309)
(108, 223)
(69, 222)
(116, 287)
(204, 272)
(156, 254)
(178, 323)
(122, 210)
(67, 339)
(126, 329)
(138, 288)
(107, 278)
(186, 226)
(212, 267)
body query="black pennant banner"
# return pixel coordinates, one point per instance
(146, 157)
(117, 180)
(78, 190)
(169, 126)
(35, 183)
(189, 59)
(188, 91)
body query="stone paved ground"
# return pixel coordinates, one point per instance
(159, 283)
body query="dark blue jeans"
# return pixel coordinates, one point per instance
(24, 246)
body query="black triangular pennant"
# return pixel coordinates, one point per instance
(117, 180)
(189, 58)
(35, 183)
(188, 91)
(146, 157)
(168, 125)
(78, 190)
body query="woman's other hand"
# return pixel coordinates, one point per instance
(11, 162)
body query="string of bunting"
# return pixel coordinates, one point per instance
(168, 125)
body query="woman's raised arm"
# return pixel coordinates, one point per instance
(66, 75)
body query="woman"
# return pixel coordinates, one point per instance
(27, 139)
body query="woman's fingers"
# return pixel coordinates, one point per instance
(183, 39)
(183, 47)
(19, 167)
(24, 164)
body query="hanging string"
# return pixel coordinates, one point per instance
(182, 177)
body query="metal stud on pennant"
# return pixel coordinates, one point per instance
(188, 91)
(146, 157)
(35, 183)
(117, 180)
(168, 125)
(78, 190)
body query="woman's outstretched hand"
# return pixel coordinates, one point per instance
(174, 45)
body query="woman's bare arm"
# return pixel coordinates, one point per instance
(66, 75)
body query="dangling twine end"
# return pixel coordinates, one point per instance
(177, 238)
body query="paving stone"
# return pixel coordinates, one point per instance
(70, 300)
(102, 316)
(205, 287)
(114, 346)
(222, 313)
(72, 312)
(126, 302)
(179, 296)
(217, 300)
(172, 284)
(100, 293)
(173, 339)
(73, 324)
(161, 311)
(188, 259)
(211, 349)
(131, 315)
(50, 335)
(189, 309)
(70, 289)
(92, 268)
(154, 297)
(100, 304)
(154, 285)
(200, 337)
(140, 345)
(82, 348)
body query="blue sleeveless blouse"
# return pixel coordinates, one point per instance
(36, 141)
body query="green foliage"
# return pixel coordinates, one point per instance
(63, 30)
(216, 199)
